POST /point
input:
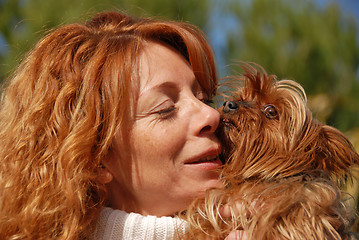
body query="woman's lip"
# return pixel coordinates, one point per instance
(206, 165)
(207, 157)
(204, 160)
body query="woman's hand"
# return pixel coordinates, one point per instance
(227, 213)
(237, 235)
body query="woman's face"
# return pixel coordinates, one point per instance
(174, 152)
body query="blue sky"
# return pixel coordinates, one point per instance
(348, 6)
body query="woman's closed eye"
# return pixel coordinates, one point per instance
(167, 113)
(165, 110)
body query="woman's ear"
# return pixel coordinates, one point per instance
(104, 175)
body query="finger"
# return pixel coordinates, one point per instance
(236, 235)
(228, 210)
(225, 211)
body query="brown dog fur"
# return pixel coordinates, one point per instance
(283, 167)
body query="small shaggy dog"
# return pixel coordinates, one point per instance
(283, 168)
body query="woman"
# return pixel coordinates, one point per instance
(107, 113)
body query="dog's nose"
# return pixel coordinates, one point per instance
(229, 106)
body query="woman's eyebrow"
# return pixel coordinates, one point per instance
(166, 85)
(172, 87)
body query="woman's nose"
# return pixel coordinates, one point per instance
(208, 119)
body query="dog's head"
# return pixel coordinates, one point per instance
(268, 132)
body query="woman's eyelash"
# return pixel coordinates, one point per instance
(166, 111)
(170, 111)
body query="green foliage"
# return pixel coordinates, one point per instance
(298, 40)
(23, 22)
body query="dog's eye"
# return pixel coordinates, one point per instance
(270, 111)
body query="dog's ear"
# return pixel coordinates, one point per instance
(334, 153)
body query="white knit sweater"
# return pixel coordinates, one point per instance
(118, 225)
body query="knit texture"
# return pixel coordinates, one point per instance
(118, 225)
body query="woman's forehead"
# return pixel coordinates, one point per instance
(161, 66)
